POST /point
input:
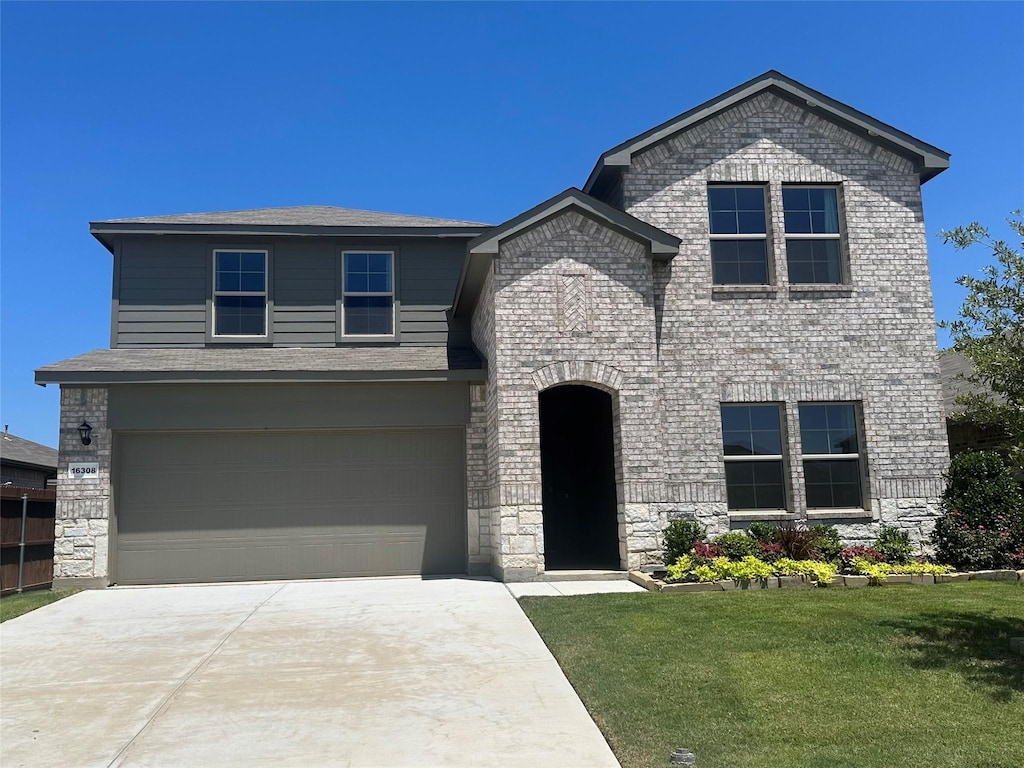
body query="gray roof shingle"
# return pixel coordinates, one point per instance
(299, 216)
(953, 367)
(260, 363)
(14, 448)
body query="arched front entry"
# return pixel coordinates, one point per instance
(577, 452)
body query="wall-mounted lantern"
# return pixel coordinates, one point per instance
(84, 432)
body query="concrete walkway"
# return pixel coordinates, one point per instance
(570, 588)
(383, 672)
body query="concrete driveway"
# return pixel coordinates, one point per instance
(384, 672)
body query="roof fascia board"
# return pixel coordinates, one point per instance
(932, 159)
(662, 244)
(43, 377)
(102, 228)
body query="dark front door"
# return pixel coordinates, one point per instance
(578, 470)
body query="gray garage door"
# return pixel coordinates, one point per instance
(224, 506)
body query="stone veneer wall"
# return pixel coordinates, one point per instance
(82, 525)
(872, 341)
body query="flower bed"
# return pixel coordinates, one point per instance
(766, 557)
(655, 584)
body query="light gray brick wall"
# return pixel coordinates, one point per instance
(872, 341)
(83, 506)
(573, 301)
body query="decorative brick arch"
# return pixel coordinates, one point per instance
(587, 372)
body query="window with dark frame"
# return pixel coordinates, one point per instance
(813, 249)
(752, 441)
(739, 235)
(240, 293)
(369, 293)
(831, 455)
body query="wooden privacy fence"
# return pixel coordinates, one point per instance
(40, 507)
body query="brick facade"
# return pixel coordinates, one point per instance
(571, 297)
(82, 528)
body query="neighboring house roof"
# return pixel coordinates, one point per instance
(930, 160)
(18, 450)
(953, 368)
(265, 364)
(295, 220)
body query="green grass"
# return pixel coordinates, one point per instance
(832, 678)
(16, 605)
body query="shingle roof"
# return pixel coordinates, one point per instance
(14, 448)
(259, 364)
(300, 216)
(953, 367)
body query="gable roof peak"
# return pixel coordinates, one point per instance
(929, 160)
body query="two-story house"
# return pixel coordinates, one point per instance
(731, 321)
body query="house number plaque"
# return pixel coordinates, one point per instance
(84, 470)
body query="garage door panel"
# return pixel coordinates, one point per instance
(232, 506)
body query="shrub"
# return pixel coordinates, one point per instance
(983, 524)
(761, 532)
(971, 549)
(797, 543)
(895, 545)
(827, 541)
(770, 552)
(679, 538)
(736, 545)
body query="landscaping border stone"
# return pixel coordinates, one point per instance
(649, 582)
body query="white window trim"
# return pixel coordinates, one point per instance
(264, 293)
(748, 236)
(390, 294)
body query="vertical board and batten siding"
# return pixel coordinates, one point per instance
(162, 286)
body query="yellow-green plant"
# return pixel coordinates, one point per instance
(681, 568)
(750, 568)
(876, 572)
(706, 573)
(817, 571)
(920, 568)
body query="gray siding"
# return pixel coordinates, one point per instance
(162, 286)
(288, 406)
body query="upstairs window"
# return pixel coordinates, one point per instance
(240, 293)
(752, 441)
(739, 235)
(812, 234)
(831, 454)
(369, 293)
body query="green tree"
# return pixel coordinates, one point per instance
(989, 333)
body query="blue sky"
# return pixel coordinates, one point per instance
(457, 110)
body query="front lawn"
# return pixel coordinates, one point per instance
(829, 678)
(16, 605)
